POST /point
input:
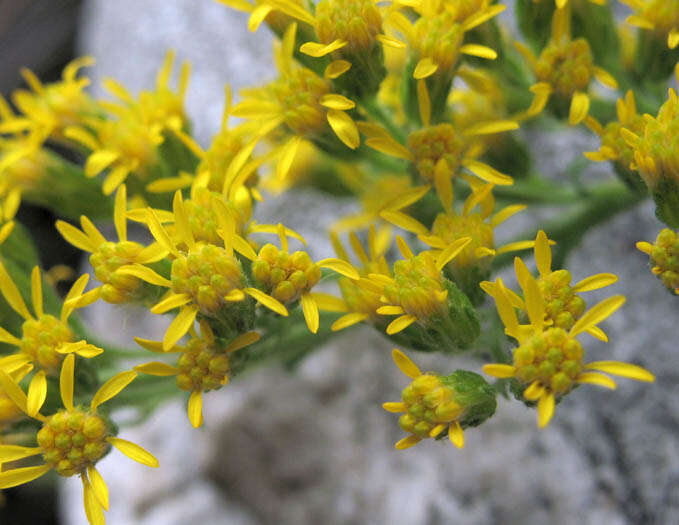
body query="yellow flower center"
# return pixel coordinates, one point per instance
(657, 152)
(417, 287)
(551, 357)
(567, 66)
(41, 338)
(135, 141)
(429, 403)
(453, 227)
(356, 21)
(612, 138)
(207, 273)
(430, 144)
(298, 94)
(665, 257)
(201, 367)
(118, 288)
(73, 440)
(286, 277)
(562, 305)
(438, 37)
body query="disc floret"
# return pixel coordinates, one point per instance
(664, 254)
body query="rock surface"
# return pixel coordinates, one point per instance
(315, 446)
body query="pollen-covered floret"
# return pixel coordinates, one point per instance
(430, 144)
(562, 305)
(451, 227)
(41, 338)
(73, 440)
(358, 22)
(108, 257)
(286, 276)
(201, 367)
(664, 254)
(567, 66)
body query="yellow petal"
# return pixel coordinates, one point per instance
(195, 408)
(317, 50)
(408, 197)
(481, 16)
(171, 302)
(6, 337)
(37, 392)
(114, 179)
(181, 220)
(81, 136)
(425, 68)
(451, 251)
(156, 368)
(158, 232)
(390, 310)
(645, 247)
(627, 370)
(36, 291)
(335, 101)
(404, 221)
(405, 364)
(344, 127)
(242, 341)
(336, 68)
(310, 310)
(329, 303)
(488, 128)
(423, 102)
(478, 50)
(485, 172)
(66, 382)
(545, 409)
(443, 184)
(267, 300)
(99, 486)
(258, 15)
(403, 247)
(134, 451)
(145, 274)
(15, 452)
(595, 282)
(407, 442)
(112, 387)
(499, 370)
(437, 430)
(12, 295)
(99, 161)
(389, 146)
(348, 320)
(597, 314)
(505, 309)
(13, 391)
(456, 434)
(673, 38)
(19, 476)
(535, 303)
(593, 378)
(605, 78)
(287, 157)
(639, 21)
(339, 266)
(534, 392)
(543, 253)
(179, 326)
(153, 346)
(395, 407)
(579, 108)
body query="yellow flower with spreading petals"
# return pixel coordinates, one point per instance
(289, 277)
(417, 291)
(45, 338)
(664, 254)
(659, 16)
(438, 152)
(549, 360)
(303, 103)
(565, 69)
(558, 299)
(359, 304)
(50, 108)
(278, 14)
(429, 405)
(72, 440)
(107, 256)
(205, 278)
(202, 365)
(436, 37)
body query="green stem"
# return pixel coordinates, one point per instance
(373, 109)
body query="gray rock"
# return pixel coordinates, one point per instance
(315, 446)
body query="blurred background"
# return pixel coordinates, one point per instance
(314, 446)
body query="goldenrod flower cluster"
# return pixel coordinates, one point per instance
(412, 108)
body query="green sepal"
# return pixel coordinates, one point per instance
(475, 394)
(666, 197)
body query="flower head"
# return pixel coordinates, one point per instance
(72, 440)
(203, 365)
(549, 362)
(664, 254)
(659, 16)
(434, 403)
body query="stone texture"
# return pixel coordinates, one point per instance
(314, 446)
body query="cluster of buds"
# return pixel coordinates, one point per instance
(664, 254)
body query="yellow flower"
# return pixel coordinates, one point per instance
(438, 152)
(417, 291)
(279, 14)
(50, 108)
(202, 365)
(664, 254)
(552, 293)
(72, 440)
(107, 256)
(301, 101)
(659, 16)
(44, 339)
(289, 278)
(565, 69)
(436, 36)
(549, 361)
(360, 304)
(435, 404)
(205, 279)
